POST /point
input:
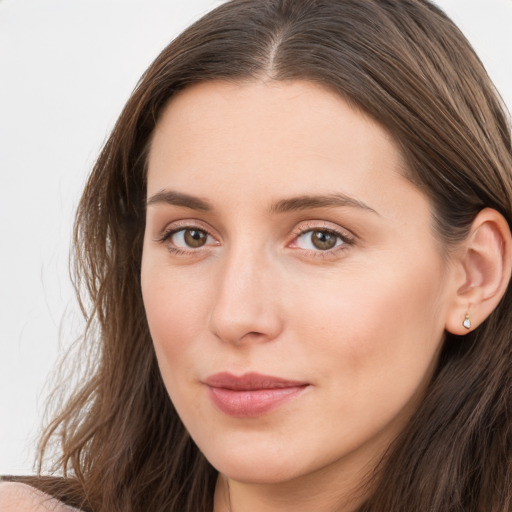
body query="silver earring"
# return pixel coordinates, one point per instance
(467, 322)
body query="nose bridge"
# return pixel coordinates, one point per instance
(244, 307)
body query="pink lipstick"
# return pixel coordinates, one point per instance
(251, 394)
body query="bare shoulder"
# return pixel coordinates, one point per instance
(18, 497)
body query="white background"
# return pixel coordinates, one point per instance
(66, 69)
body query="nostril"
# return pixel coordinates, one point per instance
(258, 327)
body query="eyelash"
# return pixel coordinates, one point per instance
(178, 251)
(346, 239)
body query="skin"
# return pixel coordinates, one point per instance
(18, 497)
(361, 323)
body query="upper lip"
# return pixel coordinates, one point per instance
(249, 381)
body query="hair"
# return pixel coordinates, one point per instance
(404, 63)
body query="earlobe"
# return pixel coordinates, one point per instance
(486, 263)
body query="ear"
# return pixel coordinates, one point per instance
(484, 266)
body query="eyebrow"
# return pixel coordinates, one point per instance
(318, 201)
(297, 203)
(179, 199)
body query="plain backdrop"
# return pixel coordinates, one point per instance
(66, 69)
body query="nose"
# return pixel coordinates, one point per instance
(245, 307)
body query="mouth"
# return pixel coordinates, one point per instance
(251, 394)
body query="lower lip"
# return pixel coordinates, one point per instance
(249, 404)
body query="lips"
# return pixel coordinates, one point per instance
(251, 394)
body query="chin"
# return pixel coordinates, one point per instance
(262, 474)
(257, 465)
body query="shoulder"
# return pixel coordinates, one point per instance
(18, 497)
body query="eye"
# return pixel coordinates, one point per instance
(319, 240)
(188, 238)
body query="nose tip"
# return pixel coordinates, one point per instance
(235, 322)
(237, 329)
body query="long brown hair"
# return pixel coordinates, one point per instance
(121, 444)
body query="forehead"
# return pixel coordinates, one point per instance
(263, 111)
(273, 138)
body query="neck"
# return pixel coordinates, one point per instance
(298, 495)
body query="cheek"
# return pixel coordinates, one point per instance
(377, 331)
(175, 312)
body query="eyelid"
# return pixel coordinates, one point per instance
(184, 224)
(347, 237)
(322, 225)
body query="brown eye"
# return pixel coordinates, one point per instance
(320, 240)
(189, 238)
(194, 238)
(323, 240)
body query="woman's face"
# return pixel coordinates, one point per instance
(294, 289)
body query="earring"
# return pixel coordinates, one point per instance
(467, 321)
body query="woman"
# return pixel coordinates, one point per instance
(297, 249)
